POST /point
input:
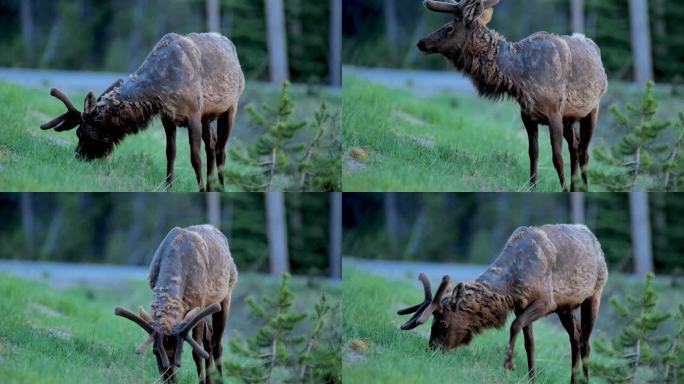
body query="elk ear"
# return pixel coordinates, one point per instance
(456, 296)
(472, 9)
(486, 16)
(89, 102)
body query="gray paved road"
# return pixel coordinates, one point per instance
(411, 269)
(67, 274)
(419, 82)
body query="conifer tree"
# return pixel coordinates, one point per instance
(640, 160)
(640, 352)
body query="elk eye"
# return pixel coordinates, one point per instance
(450, 29)
(443, 324)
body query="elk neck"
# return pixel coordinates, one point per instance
(484, 307)
(168, 308)
(125, 114)
(485, 59)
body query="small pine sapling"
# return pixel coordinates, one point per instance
(639, 352)
(274, 342)
(319, 362)
(321, 167)
(674, 164)
(639, 160)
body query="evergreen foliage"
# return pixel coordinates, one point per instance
(277, 353)
(643, 158)
(281, 158)
(642, 351)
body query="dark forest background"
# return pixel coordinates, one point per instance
(126, 228)
(473, 227)
(383, 33)
(117, 35)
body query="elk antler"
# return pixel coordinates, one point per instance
(454, 7)
(443, 7)
(428, 306)
(66, 121)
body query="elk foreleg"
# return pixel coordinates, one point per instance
(170, 129)
(195, 138)
(529, 348)
(533, 149)
(220, 320)
(198, 335)
(533, 312)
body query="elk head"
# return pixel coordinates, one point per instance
(94, 139)
(450, 328)
(450, 38)
(168, 347)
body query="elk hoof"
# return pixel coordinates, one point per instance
(509, 365)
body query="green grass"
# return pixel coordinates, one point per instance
(98, 346)
(36, 160)
(397, 141)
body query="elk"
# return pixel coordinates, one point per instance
(541, 270)
(188, 81)
(192, 276)
(557, 80)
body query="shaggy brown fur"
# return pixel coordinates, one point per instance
(188, 81)
(557, 80)
(192, 275)
(544, 270)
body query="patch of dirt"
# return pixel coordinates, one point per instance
(47, 311)
(424, 141)
(60, 333)
(409, 118)
(357, 350)
(354, 165)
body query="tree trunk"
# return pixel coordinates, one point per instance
(641, 233)
(213, 16)
(27, 30)
(577, 207)
(335, 235)
(277, 40)
(27, 222)
(577, 11)
(392, 221)
(641, 41)
(214, 209)
(391, 26)
(335, 55)
(277, 232)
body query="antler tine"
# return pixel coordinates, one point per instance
(196, 347)
(423, 314)
(428, 296)
(56, 121)
(61, 96)
(199, 316)
(134, 318)
(443, 7)
(141, 348)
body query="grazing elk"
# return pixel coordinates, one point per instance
(541, 270)
(189, 81)
(557, 80)
(192, 276)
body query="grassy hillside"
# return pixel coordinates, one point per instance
(397, 141)
(72, 335)
(36, 160)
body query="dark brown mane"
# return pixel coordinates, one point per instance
(487, 308)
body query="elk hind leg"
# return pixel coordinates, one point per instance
(529, 349)
(198, 335)
(587, 126)
(573, 144)
(209, 139)
(567, 318)
(590, 309)
(533, 149)
(195, 138)
(556, 133)
(225, 124)
(220, 321)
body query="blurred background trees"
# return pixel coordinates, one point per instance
(117, 35)
(637, 234)
(126, 228)
(382, 33)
